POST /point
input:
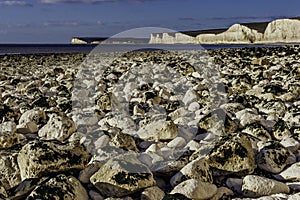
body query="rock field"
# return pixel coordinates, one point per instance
(151, 125)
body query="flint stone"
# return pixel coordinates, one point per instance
(257, 186)
(152, 193)
(58, 127)
(195, 189)
(60, 187)
(196, 169)
(273, 157)
(280, 130)
(8, 135)
(124, 141)
(122, 175)
(217, 122)
(9, 169)
(257, 130)
(37, 158)
(233, 153)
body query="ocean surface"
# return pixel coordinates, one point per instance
(86, 48)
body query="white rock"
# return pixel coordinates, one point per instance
(35, 115)
(257, 186)
(158, 130)
(102, 141)
(152, 193)
(180, 112)
(247, 116)
(292, 173)
(58, 127)
(189, 97)
(294, 196)
(290, 143)
(193, 106)
(195, 189)
(192, 145)
(177, 142)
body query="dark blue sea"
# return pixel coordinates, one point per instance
(86, 48)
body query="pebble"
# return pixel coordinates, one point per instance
(257, 186)
(195, 189)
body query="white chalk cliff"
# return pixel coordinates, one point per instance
(235, 34)
(171, 38)
(278, 31)
(283, 30)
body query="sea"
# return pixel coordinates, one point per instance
(87, 48)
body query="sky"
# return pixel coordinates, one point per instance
(57, 21)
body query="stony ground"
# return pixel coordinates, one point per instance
(151, 125)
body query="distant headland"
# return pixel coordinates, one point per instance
(277, 31)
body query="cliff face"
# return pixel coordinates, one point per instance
(77, 41)
(235, 34)
(282, 30)
(171, 38)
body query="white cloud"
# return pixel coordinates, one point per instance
(74, 1)
(14, 3)
(67, 23)
(86, 1)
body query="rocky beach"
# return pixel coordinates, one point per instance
(151, 125)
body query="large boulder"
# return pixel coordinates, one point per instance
(38, 158)
(274, 157)
(196, 169)
(58, 127)
(60, 187)
(9, 169)
(121, 176)
(233, 153)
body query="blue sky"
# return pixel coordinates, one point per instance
(57, 21)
